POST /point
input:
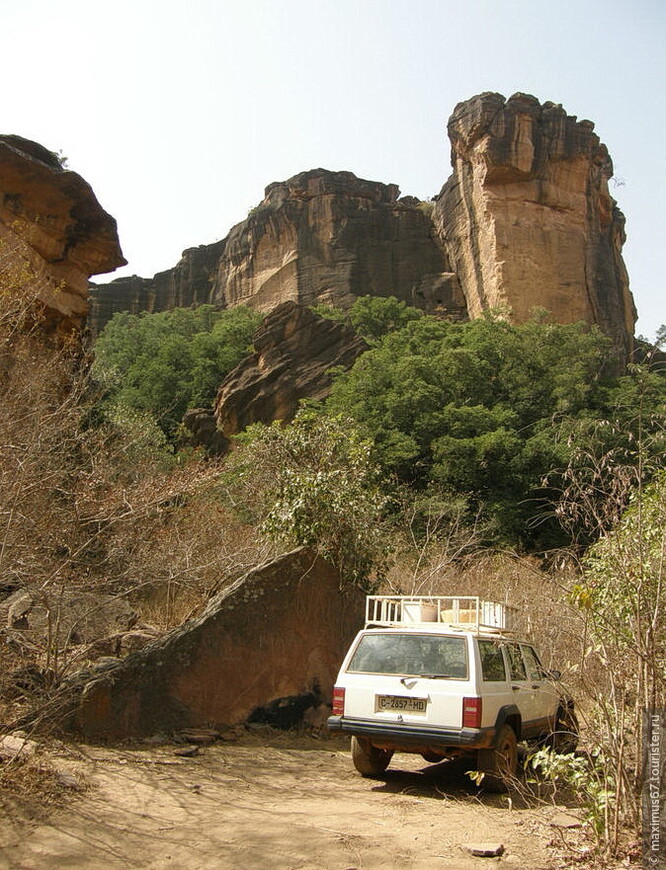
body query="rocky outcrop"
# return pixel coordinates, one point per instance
(295, 350)
(319, 237)
(278, 633)
(53, 230)
(62, 617)
(527, 219)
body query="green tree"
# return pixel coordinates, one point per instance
(313, 483)
(168, 362)
(375, 316)
(484, 409)
(622, 599)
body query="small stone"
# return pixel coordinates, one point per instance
(199, 735)
(67, 780)
(485, 850)
(187, 752)
(12, 747)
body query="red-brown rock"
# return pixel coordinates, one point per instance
(278, 633)
(295, 350)
(52, 224)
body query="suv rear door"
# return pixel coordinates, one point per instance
(544, 694)
(411, 677)
(494, 686)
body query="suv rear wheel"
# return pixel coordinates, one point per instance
(368, 760)
(499, 764)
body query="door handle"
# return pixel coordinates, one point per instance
(516, 688)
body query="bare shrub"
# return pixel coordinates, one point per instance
(92, 507)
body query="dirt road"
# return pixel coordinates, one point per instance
(272, 801)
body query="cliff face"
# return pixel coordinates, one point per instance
(318, 237)
(190, 282)
(527, 219)
(52, 226)
(330, 237)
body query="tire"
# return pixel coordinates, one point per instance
(500, 763)
(368, 760)
(563, 739)
(432, 757)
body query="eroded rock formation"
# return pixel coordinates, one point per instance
(527, 219)
(319, 237)
(279, 632)
(294, 352)
(53, 228)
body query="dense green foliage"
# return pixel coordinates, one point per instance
(313, 483)
(486, 409)
(167, 362)
(486, 413)
(372, 317)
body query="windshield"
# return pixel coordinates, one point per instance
(411, 655)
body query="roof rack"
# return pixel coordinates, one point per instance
(458, 611)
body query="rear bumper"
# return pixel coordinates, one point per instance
(403, 735)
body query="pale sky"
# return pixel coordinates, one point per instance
(179, 114)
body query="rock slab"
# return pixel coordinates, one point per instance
(295, 350)
(280, 631)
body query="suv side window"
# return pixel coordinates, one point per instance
(492, 661)
(516, 666)
(534, 670)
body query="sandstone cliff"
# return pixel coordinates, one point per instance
(319, 237)
(527, 219)
(52, 225)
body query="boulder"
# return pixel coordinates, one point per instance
(279, 632)
(527, 219)
(295, 350)
(66, 617)
(52, 224)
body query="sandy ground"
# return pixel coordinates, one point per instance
(274, 801)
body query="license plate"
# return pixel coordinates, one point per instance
(403, 705)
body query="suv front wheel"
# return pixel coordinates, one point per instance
(564, 737)
(368, 760)
(499, 764)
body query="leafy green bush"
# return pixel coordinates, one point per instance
(487, 409)
(167, 362)
(313, 483)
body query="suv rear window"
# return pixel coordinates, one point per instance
(411, 655)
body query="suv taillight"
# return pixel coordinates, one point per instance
(471, 713)
(338, 701)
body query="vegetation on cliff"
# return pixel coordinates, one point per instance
(167, 362)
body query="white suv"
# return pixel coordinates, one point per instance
(443, 677)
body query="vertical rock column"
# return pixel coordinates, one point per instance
(527, 219)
